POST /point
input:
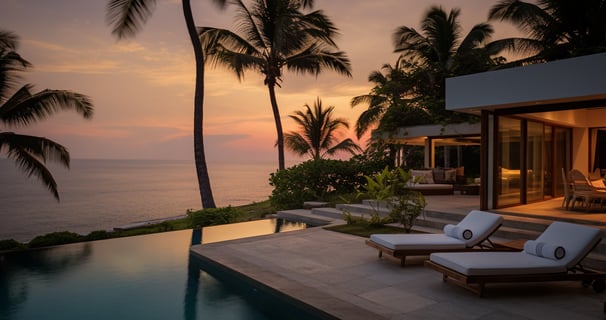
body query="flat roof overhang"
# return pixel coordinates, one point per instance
(558, 85)
(450, 134)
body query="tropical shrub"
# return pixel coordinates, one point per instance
(10, 244)
(315, 180)
(55, 238)
(212, 216)
(390, 188)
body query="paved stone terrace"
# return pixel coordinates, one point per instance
(339, 274)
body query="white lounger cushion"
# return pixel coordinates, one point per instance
(481, 223)
(496, 263)
(416, 241)
(577, 240)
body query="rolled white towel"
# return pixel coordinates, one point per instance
(457, 232)
(545, 250)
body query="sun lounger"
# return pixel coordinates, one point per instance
(469, 234)
(554, 256)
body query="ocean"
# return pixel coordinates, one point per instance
(103, 194)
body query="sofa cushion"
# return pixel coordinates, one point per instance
(438, 175)
(450, 175)
(422, 176)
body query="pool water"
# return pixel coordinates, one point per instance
(142, 277)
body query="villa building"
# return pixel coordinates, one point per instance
(537, 121)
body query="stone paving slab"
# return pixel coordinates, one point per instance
(340, 275)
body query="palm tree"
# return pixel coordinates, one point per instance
(22, 107)
(276, 34)
(317, 133)
(394, 86)
(440, 51)
(557, 29)
(126, 18)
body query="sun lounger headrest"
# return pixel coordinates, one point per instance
(545, 250)
(577, 240)
(481, 224)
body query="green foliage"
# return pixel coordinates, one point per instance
(317, 180)
(407, 208)
(212, 216)
(317, 133)
(390, 187)
(373, 221)
(98, 235)
(55, 238)
(10, 244)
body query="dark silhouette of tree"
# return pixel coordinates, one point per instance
(273, 35)
(22, 107)
(317, 129)
(126, 18)
(390, 100)
(556, 29)
(439, 51)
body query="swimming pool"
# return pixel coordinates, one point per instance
(142, 277)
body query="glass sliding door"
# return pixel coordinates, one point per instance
(534, 161)
(509, 161)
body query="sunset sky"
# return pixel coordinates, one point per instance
(143, 88)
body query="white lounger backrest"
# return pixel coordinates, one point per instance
(576, 239)
(481, 223)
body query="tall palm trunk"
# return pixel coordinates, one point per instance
(206, 194)
(280, 134)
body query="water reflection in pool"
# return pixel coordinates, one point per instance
(248, 229)
(142, 277)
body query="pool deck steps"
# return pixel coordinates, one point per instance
(306, 216)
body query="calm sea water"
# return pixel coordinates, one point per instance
(103, 194)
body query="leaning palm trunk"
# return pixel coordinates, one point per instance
(206, 194)
(280, 134)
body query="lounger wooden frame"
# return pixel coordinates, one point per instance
(485, 244)
(476, 284)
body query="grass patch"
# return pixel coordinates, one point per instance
(363, 230)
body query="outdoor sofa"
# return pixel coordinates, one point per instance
(555, 255)
(436, 181)
(471, 233)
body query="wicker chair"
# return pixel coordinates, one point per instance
(569, 199)
(583, 188)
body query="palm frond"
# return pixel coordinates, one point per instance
(31, 153)
(313, 59)
(318, 26)
(527, 16)
(478, 35)
(11, 63)
(523, 46)
(346, 145)
(247, 25)
(8, 41)
(24, 108)
(296, 143)
(366, 119)
(127, 17)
